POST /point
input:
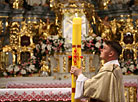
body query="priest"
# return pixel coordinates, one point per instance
(107, 85)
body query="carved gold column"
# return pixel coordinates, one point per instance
(130, 94)
(64, 64)
(84, 64)
(91, 66)
(57, 68)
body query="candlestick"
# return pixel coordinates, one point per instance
(76, 51)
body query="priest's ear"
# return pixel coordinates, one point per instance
(112, 53)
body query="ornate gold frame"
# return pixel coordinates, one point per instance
(72, 7)
(129, 28)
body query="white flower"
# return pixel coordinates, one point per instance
(122, 64)
(82, 46)
(49, 47)
(61, 41)
(33, 57)
(23, 71)
(32, 67)
(89, 38)
(43, 50)
(131, 67)
(16, 69)
(55, 37)
(28, 69)
(66, 47)
(43, 46)
(5, 74)
(49, 37)
(98, 44)
(58, 41)
(92, 48)
(98, 38)
(124, 69)
(10, 68)
(37, 46)
(55, 41)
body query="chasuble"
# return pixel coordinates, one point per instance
(106, 86)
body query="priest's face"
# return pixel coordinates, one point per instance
(105, 52)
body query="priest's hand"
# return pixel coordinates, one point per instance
(76, 71)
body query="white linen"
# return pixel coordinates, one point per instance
(36, 94)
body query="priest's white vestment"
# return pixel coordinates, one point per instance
(106, 86)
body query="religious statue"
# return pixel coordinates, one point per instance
(115, 30)
(105, 29)
(103, 4)
(44, 71)
(44, 28)
(16, 4)
(113, 26)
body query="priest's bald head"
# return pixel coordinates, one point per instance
(111, 50)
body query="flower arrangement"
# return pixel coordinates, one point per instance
(129, 66)
(49, 46)
(23, 69)
(52, 44)
(92, 44)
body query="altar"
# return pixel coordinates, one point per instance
(50, 89)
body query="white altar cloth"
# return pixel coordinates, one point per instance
(37, 94)
(24, 88)
(40, 84)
